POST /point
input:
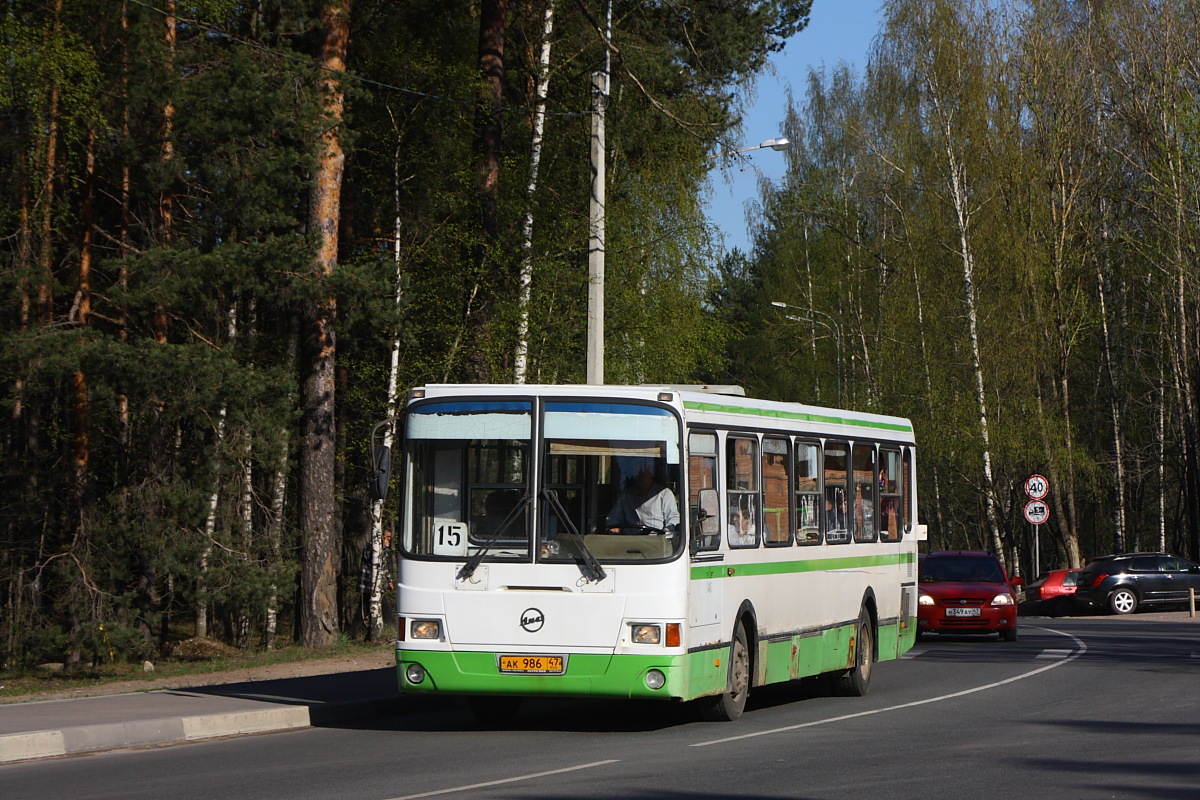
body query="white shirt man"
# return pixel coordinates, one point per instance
(644, 503)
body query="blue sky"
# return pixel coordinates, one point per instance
(838, 30)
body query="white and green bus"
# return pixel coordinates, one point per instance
(791, 550)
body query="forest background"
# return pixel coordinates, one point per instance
(235, 231)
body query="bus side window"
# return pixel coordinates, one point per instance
(777, 508)
(808, 493)
(907, 490)
(837, 466)
(702, 474)
(891, 500)
(742, 491)
(865, 525)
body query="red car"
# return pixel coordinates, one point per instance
(1052, 592)
(964, 592)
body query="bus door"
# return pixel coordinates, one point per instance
(704, 537)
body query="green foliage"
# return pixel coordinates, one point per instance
(1053, 144)
(154, 274)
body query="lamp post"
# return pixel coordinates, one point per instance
(830, 324)
(594, 370)
(595, 319)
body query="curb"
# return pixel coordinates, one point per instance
(173, 730)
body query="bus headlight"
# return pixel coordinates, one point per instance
(655, 679)
(414, 673)
(646, 634)
(426, 629)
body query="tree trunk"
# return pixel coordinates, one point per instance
(1114, 407)
(210, 520)
(493, 15)
(278, 501)
(377, 543)
(82, 450)
(962, 217)
(525, 280)
(317, 497)
(166, 200)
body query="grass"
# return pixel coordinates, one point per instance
(16, 683)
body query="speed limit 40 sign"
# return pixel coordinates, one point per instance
(1037, 487)
(1037, 512)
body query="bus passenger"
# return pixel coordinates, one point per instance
(835, 512)
(742, 530)
(644, 503)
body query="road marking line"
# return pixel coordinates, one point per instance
(1054, 654)
(1082, 648)
(508, 780)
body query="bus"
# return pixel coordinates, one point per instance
(782, 544)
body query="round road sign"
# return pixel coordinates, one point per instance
(1037, 512)
(1037, 487)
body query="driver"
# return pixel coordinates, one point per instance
(644, 503)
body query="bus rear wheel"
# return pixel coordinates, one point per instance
(729, 705)
(857, 681)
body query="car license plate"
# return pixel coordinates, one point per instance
(539, 665)
(963, 612)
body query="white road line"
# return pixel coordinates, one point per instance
(1054, 654)
(507, 780)
(1081, 648)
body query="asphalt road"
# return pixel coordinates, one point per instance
(1076, 708)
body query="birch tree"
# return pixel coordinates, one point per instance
(941, 42)
(525, 277)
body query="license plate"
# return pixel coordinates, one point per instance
(540, 665)
(962, 612)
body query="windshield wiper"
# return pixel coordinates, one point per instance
(589, 559)
(468, 569)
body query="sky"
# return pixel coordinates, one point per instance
(838, 30)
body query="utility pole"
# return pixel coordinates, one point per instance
(595, 319)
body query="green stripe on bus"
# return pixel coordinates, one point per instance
(795, 415)
(809, 565)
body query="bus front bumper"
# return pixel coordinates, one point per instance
(654, 676)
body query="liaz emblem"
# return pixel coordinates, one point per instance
(532, 620)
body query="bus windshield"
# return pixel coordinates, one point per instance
(469, 479)
(605, 489)
(612, 471)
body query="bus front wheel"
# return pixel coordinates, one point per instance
(729, 705)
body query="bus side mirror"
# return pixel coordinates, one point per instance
(381, 471)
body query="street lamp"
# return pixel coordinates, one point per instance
(778, 143)
(830, 324)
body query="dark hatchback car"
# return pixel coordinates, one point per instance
(963, 592)
(1123, 583)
